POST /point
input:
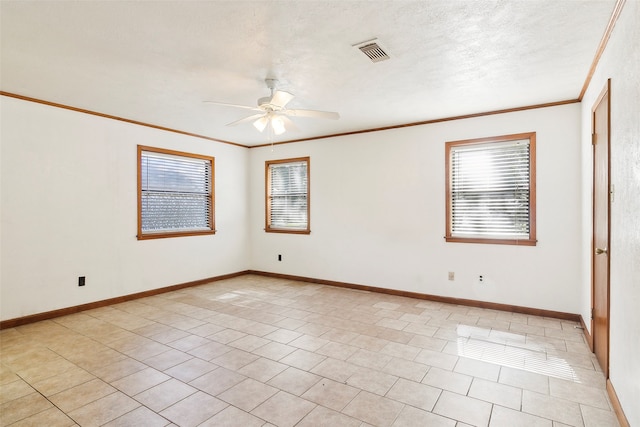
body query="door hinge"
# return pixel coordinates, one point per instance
(612, 190)
(592, 313)
(593, 139)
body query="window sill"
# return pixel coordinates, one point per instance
(179, 234)
(283, 230)
(488, 241)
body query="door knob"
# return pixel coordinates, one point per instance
(601, 251)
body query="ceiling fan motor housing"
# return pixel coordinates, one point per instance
(265, 103)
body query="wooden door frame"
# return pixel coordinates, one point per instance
(606, 91)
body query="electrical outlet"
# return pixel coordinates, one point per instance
(81, 281)
(279, 257)
(451, 275)
(481, 279)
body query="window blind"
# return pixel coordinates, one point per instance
(175, 193)
(288, 195)
(490, 190)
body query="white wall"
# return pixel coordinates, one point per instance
(621, 63)
(68, 209)
(378, 214)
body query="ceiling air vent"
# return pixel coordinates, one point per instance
(373, 50)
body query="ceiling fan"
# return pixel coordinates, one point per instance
(273, 111)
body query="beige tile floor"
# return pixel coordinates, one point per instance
(256, 351)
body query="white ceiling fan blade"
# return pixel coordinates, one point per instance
(313, 113)
(245, 120)
(261, 123)
(225, 104)
(281, 98)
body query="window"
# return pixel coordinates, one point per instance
(287, 196)
(175, 194)
(491, 191)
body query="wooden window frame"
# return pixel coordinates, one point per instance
(531, 241)
(165, 234)
(267, 221)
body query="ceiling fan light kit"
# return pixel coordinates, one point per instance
(272, 111)
(278, 125)
(261, 123)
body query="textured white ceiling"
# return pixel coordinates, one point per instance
(156, 62)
